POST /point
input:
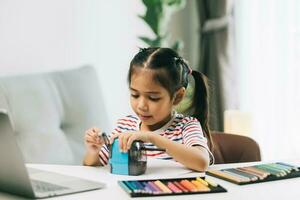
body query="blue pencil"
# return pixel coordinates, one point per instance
(125, 187)
(139, 186)
(132, 186)
(292, 166)
(146, 188)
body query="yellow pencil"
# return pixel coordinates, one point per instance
(200, 186)
(202, 181)
(210, 182)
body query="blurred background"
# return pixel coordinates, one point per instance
(250, 50)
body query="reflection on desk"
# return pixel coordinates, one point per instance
(285, 189)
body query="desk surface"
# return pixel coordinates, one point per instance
(283, 189)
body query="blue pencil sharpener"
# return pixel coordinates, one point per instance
(134, 162)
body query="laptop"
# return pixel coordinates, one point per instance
(17, 179)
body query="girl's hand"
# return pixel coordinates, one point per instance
(126, 139)
(92, 141)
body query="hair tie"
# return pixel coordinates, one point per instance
(187, 66)
(143, 50)
(184, 62)
(190, 70)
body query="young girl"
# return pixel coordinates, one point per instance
(158, 78)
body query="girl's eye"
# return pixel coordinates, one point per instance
(154, 98)
(135, 96)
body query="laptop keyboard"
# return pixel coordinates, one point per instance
(41, 186)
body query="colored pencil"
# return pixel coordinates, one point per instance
(202, 181)
(154, 188)
(131, 186)
(140, 186)
(181, 187)
(162, 186)
(226, 176)
(153, 149)
(259, 175)
(286, 168)
(200, 186)
(242, 178)
(210, 182)
(259, 171)
(271, 171)
(187, 184)
(173, 187)
(146, 187)
(244, 174)
(125, 187)
(288, 165)
(279, 171)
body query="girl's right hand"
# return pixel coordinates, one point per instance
(92, 140)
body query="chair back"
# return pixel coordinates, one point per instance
(230, 148)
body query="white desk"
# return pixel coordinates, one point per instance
(283, 189)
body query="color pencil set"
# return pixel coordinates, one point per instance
(257, 173)
(163, 187)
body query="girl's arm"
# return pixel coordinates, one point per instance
(91, 159)
(195, 157)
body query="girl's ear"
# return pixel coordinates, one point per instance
(179, 96)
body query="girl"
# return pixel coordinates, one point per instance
(158, 79)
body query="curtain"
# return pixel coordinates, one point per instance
(215, 57)
(268, 53)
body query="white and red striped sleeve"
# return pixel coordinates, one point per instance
(104, 155)
(192, 135)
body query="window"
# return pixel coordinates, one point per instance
(268, 56)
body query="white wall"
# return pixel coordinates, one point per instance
(47, 35)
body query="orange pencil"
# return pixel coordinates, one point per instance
(189, 185)
(180, 186)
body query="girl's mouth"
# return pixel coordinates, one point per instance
(145, 117)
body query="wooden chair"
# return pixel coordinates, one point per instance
(230, 148)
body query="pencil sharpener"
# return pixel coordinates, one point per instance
(133, 162)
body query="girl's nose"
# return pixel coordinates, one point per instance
(142, 105)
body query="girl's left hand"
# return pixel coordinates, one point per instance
(126, 139)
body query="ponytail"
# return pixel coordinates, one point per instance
(200, 104)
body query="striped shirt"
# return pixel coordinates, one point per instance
(181, 129)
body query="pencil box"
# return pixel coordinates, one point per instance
(257, 173)
(170, 186)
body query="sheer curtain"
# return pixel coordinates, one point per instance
(268, 56)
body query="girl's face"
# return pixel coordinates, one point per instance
(149, 100)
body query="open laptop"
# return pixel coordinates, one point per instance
(16, 178)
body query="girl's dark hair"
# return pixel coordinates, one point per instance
(172, 72)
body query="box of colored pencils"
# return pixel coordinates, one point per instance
(174, 186)
(257, 173)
